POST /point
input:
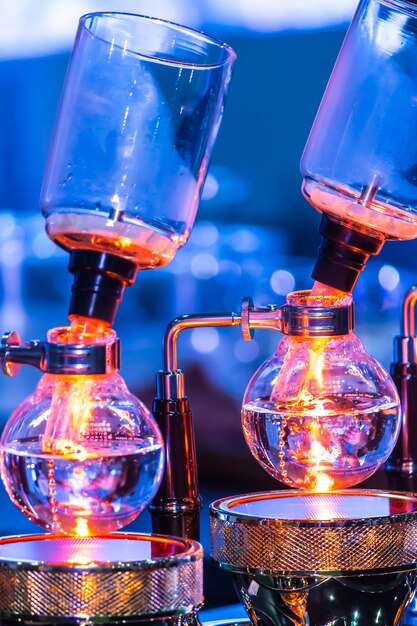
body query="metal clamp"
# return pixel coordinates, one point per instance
(297, 320)
(53, 358)
(310, 321)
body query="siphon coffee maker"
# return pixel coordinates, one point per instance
(81, 456)
(321, 414)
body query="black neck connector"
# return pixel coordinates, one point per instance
(99, 282)
(343, 254)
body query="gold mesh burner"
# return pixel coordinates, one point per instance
(121, 575)
(300, 533)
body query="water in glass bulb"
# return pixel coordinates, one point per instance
(321, 413)
(81, 455)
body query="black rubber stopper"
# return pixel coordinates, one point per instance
(99, 282)
(343, 254)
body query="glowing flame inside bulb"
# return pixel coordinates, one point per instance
(323, 482)
(70, 415)
(72, 402)
(315, 454)
(81, 527)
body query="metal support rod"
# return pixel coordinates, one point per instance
(408, 313)
(192, 321)
(302, 321)
(170, 380)
(288, 319)
(249, 318)
(404, 374)
(175, 510)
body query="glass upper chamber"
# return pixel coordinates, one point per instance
(359, 163)
(140, 111)
(81, 455)
(321, 413)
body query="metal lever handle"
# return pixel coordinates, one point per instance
(14, 353)
(54, 358)
(266, 317)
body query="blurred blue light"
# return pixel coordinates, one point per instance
(30, 28)
(388, 277)
(205, 340)
(246, 351)
(7, 224)
(275, 15)
(42, 247)
(232, 187)
(252, 267)
(245, 240)
(204, 234)
(230, 267)
(282, 282)
(11, 253)
(204, 266)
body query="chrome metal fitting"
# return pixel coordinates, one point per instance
(170, 385)
(290, 319)
(310, 321)
(53, 358)
(405, 344)
(304, 320)
(405, 350)
(120, 577)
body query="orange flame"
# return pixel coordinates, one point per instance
(81, 527)
(71, 406)
(71, 411)
(321, 445)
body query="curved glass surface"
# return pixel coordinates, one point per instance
(140, 111)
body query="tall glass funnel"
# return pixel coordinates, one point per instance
(360, 161)
(141, 106)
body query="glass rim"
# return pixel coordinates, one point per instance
(407, 5)
(304, 298)
(230, 54)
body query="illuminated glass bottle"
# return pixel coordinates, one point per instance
(320, 413)
(81, 455)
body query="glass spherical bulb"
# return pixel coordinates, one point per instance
(321, 413)
(81, 455)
